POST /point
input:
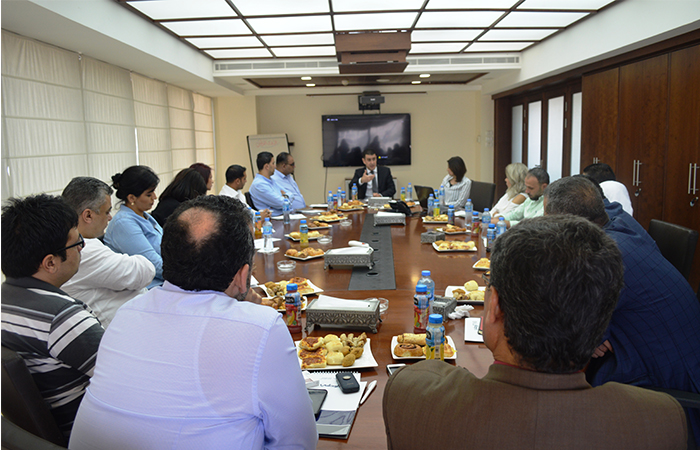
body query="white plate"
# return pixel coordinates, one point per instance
(313, 227)
(435, 246)
(304, 259)
(321, 219)
(354, 208)
(365, 361)
(395, 342)
(298, 240)
(450, 289)
(316, 289)
(451, 232)
(431, 222)
(304, 302)
(480, 268)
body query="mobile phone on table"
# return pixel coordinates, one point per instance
(391, 368)
(317, 398)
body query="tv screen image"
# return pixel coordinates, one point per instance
(345, 137)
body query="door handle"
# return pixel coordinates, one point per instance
(637, 192)
(690, 176)
(634, 172)
(639, 166)
(693, 202)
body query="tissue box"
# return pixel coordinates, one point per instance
(352, 256)
(389, 219)
(340, 313)
(444, 306)
(431, 236)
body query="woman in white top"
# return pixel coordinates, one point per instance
(514, 196)
(457, 185)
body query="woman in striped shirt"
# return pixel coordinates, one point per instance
(457, 185)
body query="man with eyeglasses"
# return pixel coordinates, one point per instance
(284, 178)
(56, 335)
(106, 279)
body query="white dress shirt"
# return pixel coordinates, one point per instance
(617, 192)
(231, 192)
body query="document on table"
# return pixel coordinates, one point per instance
(259, 243)
(338, 410)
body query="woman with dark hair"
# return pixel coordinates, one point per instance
(132, 230)
(457, 185)
(206, 173)
(186, 185)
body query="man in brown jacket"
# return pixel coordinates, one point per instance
(543, 317)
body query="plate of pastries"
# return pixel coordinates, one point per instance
(316, 225)
(296, 236)
(279, 288)
(352, 205)
(482, 264)
(453, 229)
(442, 218)
(470, 292)
(332, 350)
(328, 216)
(412, 346)
(277, 302)
(454, 246)
(304, 254)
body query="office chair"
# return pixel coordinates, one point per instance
(249, 200)
(676, 243)
(22, 403)
(482, 195)
(17, 438)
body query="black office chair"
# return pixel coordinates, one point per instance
(17, 438)
(482, 195)
(249, 200)
(676, 243)
(22, 402)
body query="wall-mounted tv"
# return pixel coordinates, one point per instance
(345, 137)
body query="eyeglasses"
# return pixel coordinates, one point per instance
(80, 243)
(486, 276)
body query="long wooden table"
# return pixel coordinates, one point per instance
(410, 258)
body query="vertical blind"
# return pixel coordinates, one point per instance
(66, 115)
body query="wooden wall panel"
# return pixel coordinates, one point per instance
(599, 121)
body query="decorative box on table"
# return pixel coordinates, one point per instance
(338, 312)
(377, 202)
(389, 218)
(430, 236)
(444, 306)
(349, 256)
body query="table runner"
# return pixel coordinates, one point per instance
(381, 276)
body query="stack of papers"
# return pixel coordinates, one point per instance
(339, 409)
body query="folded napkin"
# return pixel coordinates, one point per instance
(460, 312)
(389, 214)
(294, 216)
(350, 251)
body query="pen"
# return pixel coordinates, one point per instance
(370, 388)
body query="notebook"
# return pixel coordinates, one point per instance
(338, 410)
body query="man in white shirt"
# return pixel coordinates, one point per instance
(235, 181)
(284, 177)
(613, 190)
(105, 280)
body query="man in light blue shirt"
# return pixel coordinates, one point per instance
(266, 194)
(284, 178)
(535, 181)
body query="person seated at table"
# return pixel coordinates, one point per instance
(543, 317)
(373, 180)
(536, 181)
(515, 194)
(265, 193)
(206, 173)
(191, 365)
(105, 279)
(457, 185)
(133, 231)
(613, 190)
(653, 338)
(284, 177)
(186, 185)
(236, 179)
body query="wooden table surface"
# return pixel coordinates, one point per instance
(410, 258)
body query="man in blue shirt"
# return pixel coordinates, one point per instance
(266, 194)
(653, 338)
(284, 178)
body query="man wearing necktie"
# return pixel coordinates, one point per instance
(373, 180)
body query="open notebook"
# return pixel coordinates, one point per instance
(338, 410)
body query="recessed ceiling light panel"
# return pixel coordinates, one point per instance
(299, 39)
(517, 35)
(183, 9)
(498, 46)
(239, 53)
(208, 27)
(275, 7)
(303, 51)
(378, 21)
(568, 4)
(442, 47)
(458, 19)
(471, 4)
(225, 42)
(445, 35)
(299, 24)
(540, 19)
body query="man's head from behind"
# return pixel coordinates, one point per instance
(576, 195)
(536, 181)
(90, 199)
(556, 281)
(236, 177)
(600, 172)
(285, 163)
(35, 233)
(206, 242)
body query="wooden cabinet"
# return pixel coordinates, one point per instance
(599, 117)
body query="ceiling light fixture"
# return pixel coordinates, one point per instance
(310, 84)
(424, 75)
(305, 78)
(383, 80)
(415, 82)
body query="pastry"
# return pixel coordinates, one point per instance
(476, 296)
(334, 345)
(483, 263)
(303, 354)
(471, 285)
(348, 360)
(459, 294)
(448, 351)
(410, 338)
(334, 358)
(311, 343)
(404, 350)
(313, 362)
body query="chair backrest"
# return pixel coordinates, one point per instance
(676, 243)
(249, 199)
(16, 438)
(422, 194)
(482, 195)
(22, 402)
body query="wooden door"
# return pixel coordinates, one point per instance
(643, 118)
(681, 203)
(599, 121)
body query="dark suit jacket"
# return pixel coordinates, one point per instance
(432, 404)
(385, 182)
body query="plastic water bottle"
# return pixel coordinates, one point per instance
(442, 195)
(435, 338)
(501, 226)
(421, 309)
(258, 225)
(286, 210)
(429, 284)
(303, 234)
(485, 221)
(292, 306)
(329, 201)
(342, 197)
(476, 229)
(451, 214)
(431, 200)
(436, 207)
(403, 194)
(354, 191)
(336, 201)
(490, 236)
(251, 211)
(468, 211)
(267, 236)
(409, 192)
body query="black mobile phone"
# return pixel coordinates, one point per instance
(391, 368)
(318, 396)
(347, 382)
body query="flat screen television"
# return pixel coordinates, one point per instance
(345, 137)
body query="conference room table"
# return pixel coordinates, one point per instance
(410, 258)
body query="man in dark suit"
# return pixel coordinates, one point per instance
(553, 288)
(373, 180)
